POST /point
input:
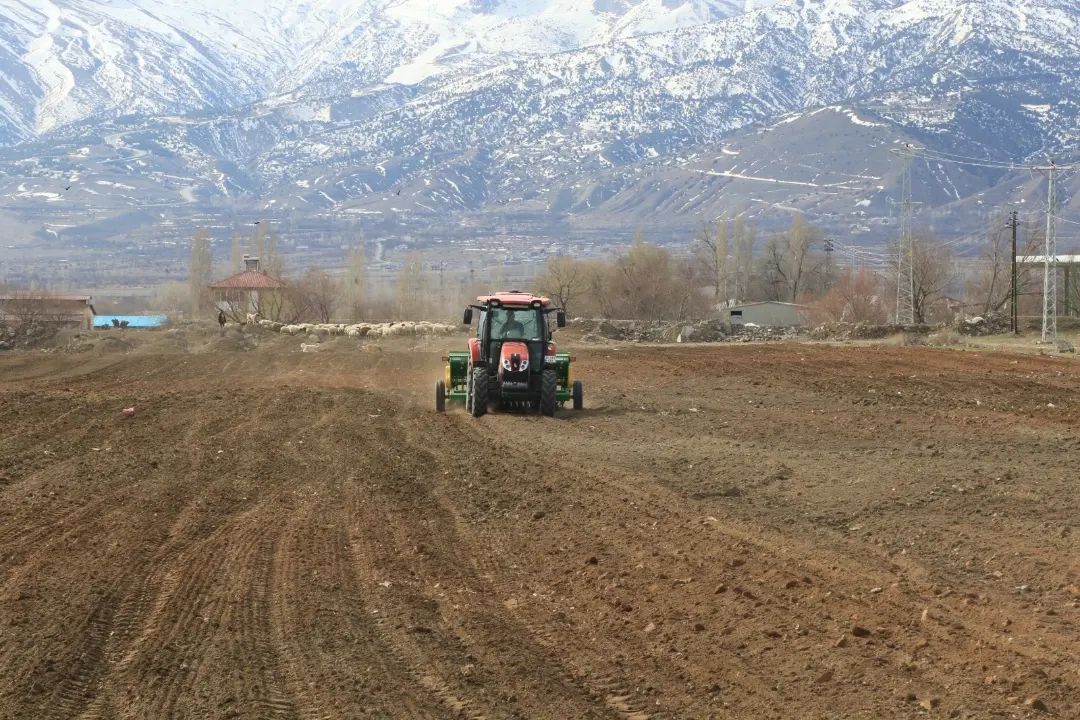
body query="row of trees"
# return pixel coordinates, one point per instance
(795, 265)
(725, 263)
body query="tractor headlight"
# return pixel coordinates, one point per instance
(523, 365)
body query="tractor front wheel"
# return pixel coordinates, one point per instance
(479, 392)
(578, 395)
(440, 396)
(549, 384)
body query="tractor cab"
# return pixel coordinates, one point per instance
(512, 360)
(513, 324)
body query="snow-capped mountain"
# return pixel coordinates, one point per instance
(607, 112)
(63, 61)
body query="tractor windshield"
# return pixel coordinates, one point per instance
(516, 324)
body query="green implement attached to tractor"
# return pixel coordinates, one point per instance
(512, 362)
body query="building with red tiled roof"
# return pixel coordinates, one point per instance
(251, 292)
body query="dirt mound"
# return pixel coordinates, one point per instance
(866, 331)
(659, 331)
(754, 531)
(229, 342)
(982, 325)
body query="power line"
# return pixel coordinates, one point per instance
(923, 153)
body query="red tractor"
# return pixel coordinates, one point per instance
(512, 362)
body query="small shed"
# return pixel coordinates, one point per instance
(249, 292)
(768, 313)
(45, 309)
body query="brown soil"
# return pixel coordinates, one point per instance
(782, 531)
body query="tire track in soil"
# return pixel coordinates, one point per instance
(75, 691)
(342, 669)
(437, 614)
(493, 552)
(111, 619)
(393, 616)
(486, 556)
(739, 673)
(207, 584)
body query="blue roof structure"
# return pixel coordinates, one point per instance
(133, 321)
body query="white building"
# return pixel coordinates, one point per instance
(769, 313)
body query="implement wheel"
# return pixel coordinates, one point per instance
(479, 392)
(548, 386)
(440, 396)
(578, 395)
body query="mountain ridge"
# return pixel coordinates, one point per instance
(584, 133)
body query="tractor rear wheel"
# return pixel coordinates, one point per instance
(578, 395)
(468, 394)
(440, 396)
(549, 383)
(479, 392)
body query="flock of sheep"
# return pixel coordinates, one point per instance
(388, 329)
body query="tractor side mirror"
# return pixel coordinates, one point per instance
(467, 320)
(560, 318)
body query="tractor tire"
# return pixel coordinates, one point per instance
(578, 395)
(549, 384)
(479, 392)
(440, 396)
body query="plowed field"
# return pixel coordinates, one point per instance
(781, 531)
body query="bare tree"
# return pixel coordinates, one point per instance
(316, 294)
(989, 287)
(787, 260)
(745, 237)
(199, 273)
(710, 249)
(258, 240)
(236, 256)
(856, 296)
(410, 288)
(272, 263)
(562, 280)
(598, 288)
(647, 283)
(354, 284)
(932, 271)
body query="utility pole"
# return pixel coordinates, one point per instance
(1013, 223)
(1049, 324)
(905, 276)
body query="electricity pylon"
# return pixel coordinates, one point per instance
(1049, 323)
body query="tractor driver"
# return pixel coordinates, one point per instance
(512, 328)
